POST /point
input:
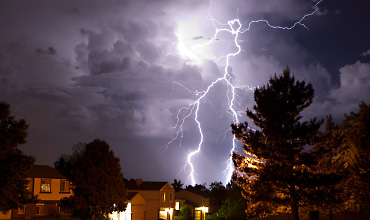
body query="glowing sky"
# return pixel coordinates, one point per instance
(120, 71)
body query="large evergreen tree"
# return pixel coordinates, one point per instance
(13, 163)
(278, 171)
(355, 154)
(98, 181)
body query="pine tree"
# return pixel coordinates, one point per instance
(278, 171)
(355, 154)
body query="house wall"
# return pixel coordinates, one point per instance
(55, 193)
(7, 215)
(169, 197)
(138, 207)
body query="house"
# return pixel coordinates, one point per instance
(50, 187)
(148, 201)
(198, 204)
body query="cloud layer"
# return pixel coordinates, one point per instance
(112, 70)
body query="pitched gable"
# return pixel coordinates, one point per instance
(44, 171)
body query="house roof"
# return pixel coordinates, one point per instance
(44, 171)
(145, 185)
(131, 195)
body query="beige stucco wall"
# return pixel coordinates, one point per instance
(7, 215)
(138, 207)
(154, 203)
(55, 193)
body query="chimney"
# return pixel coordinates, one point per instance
(139, 181)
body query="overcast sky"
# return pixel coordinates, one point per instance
(119, 71)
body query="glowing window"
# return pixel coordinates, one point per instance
(177, 206)
(21, 210)
(64, 186)
(163, 197)
(45, 185)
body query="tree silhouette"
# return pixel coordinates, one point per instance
(98, 181)
(278, 170)
(177, 185)
(13, 163)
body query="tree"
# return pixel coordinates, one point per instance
(233, 205)
(278, 171)
(13, 163)
(184, 214)
(66, 164)
(177, 185)
(98, 181)
(355, 154)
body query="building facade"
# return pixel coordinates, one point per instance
(148, 201)
(49, 186)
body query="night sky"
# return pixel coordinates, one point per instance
(115, 70)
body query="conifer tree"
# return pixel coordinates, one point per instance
(278, 171)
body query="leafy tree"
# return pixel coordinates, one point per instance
(278, 170)
(233, 206)
(13, 163)
(98, 181)
(66, 163)
(218, 193)
(177, 185)
(184, 214)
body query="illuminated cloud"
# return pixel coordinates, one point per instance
(114, 73)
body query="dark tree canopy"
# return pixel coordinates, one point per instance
(177, 185)
(278, 171)
(98, 181)
(66, 163)
(13, 163)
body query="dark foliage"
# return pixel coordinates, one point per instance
(98, 182)
(177, 185)
(13, 163)
(279, 171)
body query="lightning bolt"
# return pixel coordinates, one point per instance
(235, 28)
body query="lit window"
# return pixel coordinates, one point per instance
(64, 186)
(21, 209)
(45, 185)
(177, 206)
(163, 197)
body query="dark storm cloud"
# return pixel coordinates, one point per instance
(79, 70)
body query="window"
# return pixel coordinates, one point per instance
(45, 185)
(39, 209)
(163, 197)
(171, 199)
(21, 210)
(64, 186)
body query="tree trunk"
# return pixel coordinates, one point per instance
(294, 202)
(93, 216)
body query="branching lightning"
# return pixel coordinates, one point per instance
(235, 28)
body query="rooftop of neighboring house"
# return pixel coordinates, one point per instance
(138, 184)
(44, 171)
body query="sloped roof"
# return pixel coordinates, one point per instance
(131, 195)
(44, 171)
(145, 185)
